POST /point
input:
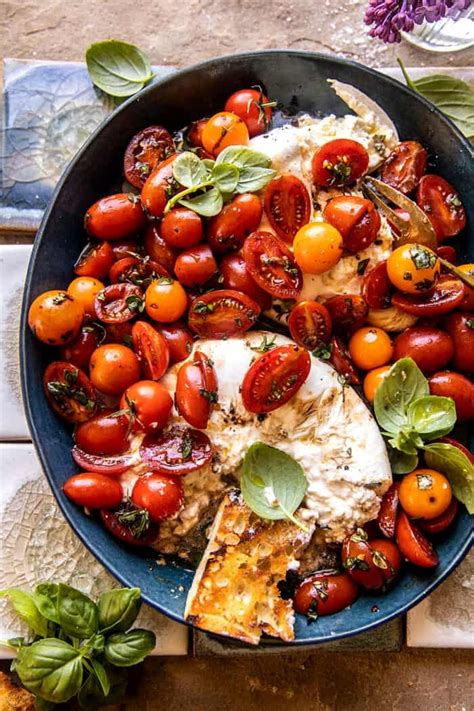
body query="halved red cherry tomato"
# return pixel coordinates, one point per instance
(103, 434)
(181, 228)
(442, 205)
(325, 593)
(118, 302)
(179, 340)
(196, 390)
(372, 564)
(387, 516)
(146, 149)
(178, 451)
(195, 266)
(287, 205)
(430, 348)
(413, 545)
(235, 275)
(273, 379)
(159, 494)
(341, 361)
(136, 270)
(310, 324)
(253, 107)
(272, 265)
(456, 386)
(151, 349)
(405, 166)
(377, 287)
(115, 216)
(69, 392)
(146, 405)
(130, 525)
(460, 327)
(226, 232)
(80, 350)
(110, 465)
(95, 491)
(222, 313)
(158, 250)
(159, 187)
(339, 162)
(355, 218)
(95, 260)
(447, 295)
(348, 312)
(441, 522)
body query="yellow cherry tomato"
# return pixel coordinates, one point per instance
(413, 268)
(165, 300)
(372, 381)
(468, 303)
(222, 130)
(425, 493)
(55, 317)
(370, 347)
(317, 247)
(84, 290)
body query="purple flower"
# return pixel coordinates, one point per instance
(390, 17)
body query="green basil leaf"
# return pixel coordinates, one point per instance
(225, 177)
(457, 467)
(454, 97)
(406, 441)
(209, 164)
(43, 705)
(101, 675)
(46, 598)
(189, 170)
(128, 648)
(118, 609)
(16, 642)
(26, 608)
(253, 179)
(206, 204)
(243, 157)
(273, 484)
(90, 696)
(118, 68)
(403, 384)
(432, 416)
(51, 669)
(78, 614)
(401, 462)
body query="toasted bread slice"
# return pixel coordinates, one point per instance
(234, 591)
(14, 697)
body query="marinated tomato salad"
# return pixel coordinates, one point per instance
(206, 352)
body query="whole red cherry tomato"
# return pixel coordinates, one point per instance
(103, 434)
(449, 384)
(115, 216)
(287, 205)
(272, 265)
(442, 205)
(69, 392)
(146, 405)
(194, 133)
(460, 327)
(158, 250)
(94, 491)
(356, 219)
(159, 494)
(310, 324)
(447, 295)
(126, 248)
(377, 287)
(181, 228)
(405, 166)
(196, 390)
(178, 451)
(222, 313)
(80, 350)
(179, 339)
(430, 348)
(348, 312)
(413, 545)
(151, 350)
(325, 593)
(236, 276)
(372, 564)
(145, 151)
(226, 232)
(195, 265)
(339, 163)
(159, 187)
(95, 260)
(253, 107)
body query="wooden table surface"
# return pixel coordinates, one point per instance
(180, 34)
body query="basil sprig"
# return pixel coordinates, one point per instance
(207, 183)
(273, 484)
(118, 68)
(410, 418)
(78, 646)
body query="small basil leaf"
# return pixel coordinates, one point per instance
(209, 164)
(401, 462)
(118, 68)
(16, 642)
(78, 614)
(207, 204)
(97, 643)
(26, 608)
(406, 441)
(129, 648)
(118, 609)
(273, 484)
(243, 157)
(253, 179)
(225, 177)
(432, 416)
(51, 669)
(456, 466)
(46, 598)
(101, 675)
(403, 384)
(189, 170)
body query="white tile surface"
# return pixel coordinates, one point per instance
(13, 265)
(38, 544)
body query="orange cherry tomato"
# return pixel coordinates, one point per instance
(253, 107)
(84, 290)
(317, 247)
(370, 348)
(159, 187)
(115, 216)
(339, 162)
(413, 268)
(425, 493)
(468, 303)
(113, 368)
(222, 130)
(165, 300)
(356, 219)
(55, 317)
(372, 381)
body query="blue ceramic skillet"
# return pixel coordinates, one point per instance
(298, 81)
